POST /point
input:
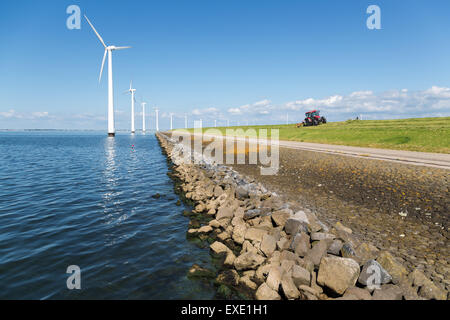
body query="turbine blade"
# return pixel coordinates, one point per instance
(100, 38)
(120, 48)
(103, 64)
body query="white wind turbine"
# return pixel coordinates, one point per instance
(185, 121)
(143, 116)
(132, 91)
(156, 115)
(171, 121)
(109, 50)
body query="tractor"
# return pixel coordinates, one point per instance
(313, 118)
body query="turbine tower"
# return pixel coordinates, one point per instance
(215, 123)
(143, 116)
(171, 121)
(157, 124)
(109, 50)
(185, 121)
(133, 100)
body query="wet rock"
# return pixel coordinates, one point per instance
(228, 277)
(264, 292)
(288, 286)
(280, 217)
(247, 282)
(397, 271)
(335, 247)
(388, 292)
(224, 291)
(205, 229)
(318, 251)
(248, 260)
(301, 276)
(338, 274)
(373, 275)
(268, 245)
(218, 247)
(156, 196)
(199, 272)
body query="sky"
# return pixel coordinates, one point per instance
(244, 61)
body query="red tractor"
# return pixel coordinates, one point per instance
(313, 118)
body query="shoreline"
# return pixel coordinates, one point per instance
(274, 250)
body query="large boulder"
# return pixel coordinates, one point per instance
(338, 274)
(359, 293)
(248, 260)
(264, 292)
(239, 233)
(218, 247)
(301, 244)
(274, 277)
(254, 234)
(391, 265)
(388, 292)
(293, 226)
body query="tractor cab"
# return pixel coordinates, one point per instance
(313, 118)
(313, 114)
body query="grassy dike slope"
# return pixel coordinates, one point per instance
(417, 134)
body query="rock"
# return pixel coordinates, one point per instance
(254, 234)
(347, 251)
(302, 245)
(228, 277)
(248, 260)
(245, 281)
(293, 226)
(341, 227)
(360, 294)
(373, 275)
(366, 252)
(214, 223)
(287, 265)
(230, 258)
(241, 192)
(391, 265)
(301, 215)
(199, 272)
(335, 247)
(223, 236)
(310, 293)
(205, 229)
(224, 213)
(287, 255)
(268, 245)
(218, 191)
(239, 233)
(388, 292)
(338, 274)
(288, 287)
(318, 251)
(301, 276)
(156, 196)
(274, 278)
(427, 289)
(218, 247)
(264, 292)
(282, 244)
(317, 236)
(280, 217)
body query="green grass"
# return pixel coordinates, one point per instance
(417, 134)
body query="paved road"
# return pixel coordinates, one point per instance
(437, 160)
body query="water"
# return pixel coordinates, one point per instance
(71, 198)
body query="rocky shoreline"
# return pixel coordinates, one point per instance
(268, 249)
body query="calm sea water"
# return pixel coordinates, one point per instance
(85, 199)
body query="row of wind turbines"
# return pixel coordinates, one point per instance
(111, 126)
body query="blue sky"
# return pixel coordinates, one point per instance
(240, 60)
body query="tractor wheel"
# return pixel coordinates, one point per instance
(324, 120)
(315, 122)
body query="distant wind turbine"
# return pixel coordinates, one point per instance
(157, 124)
(109, 50)
(185, 121)
(143, 116)
(171, 121)
(133, 100)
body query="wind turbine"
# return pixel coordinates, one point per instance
(143, 116)
(185, 121)
(109, 50)
(132, 91)
(171, 121)
(215, 123)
